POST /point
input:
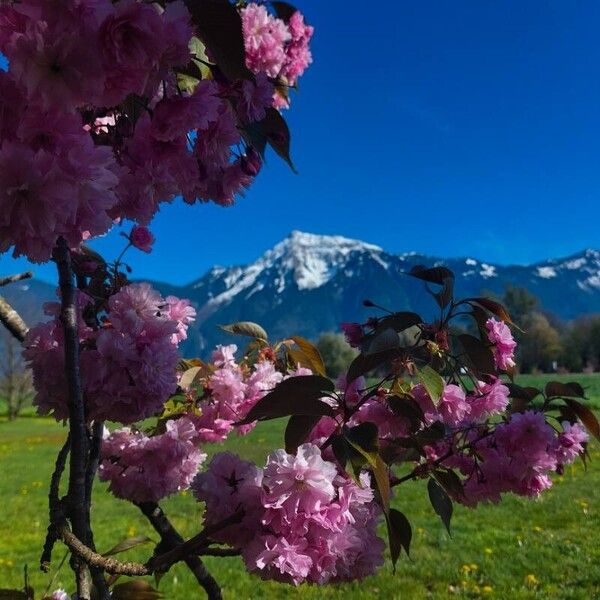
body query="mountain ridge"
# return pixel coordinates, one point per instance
(307, 284)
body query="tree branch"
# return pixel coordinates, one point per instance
(171, 540)
(14, 278)
(78, 513)
(163, 562)
(11, 319)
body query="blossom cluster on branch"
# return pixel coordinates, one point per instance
(109, 109)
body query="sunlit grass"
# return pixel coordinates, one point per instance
(519, 549)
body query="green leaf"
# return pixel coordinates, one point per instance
(297, 431)
(440, 501)
(569, 390)
(187, 379)
(399, 533)
(219, 26)
(294, 396)
(587, 417)
(313, 359)
(246, 328)
(128, 544)
(432, 381)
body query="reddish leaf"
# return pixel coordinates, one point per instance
(284, 10)
(492, 306)
(441, 502)
(219, 26)
(399, 533)
(294, 396)
(587, 417)
(364, 363)
(558, 389)
(298, 430)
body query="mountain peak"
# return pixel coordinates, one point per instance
(314, 259)
(323, 242)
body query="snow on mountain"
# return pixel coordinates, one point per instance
(308, 284)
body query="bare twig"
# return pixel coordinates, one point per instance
(171, 540)
(78, 513)
(164, 561)
(11, 319)
(93, 462)
(220, 552)
(54, 507)
(14, 278)
(93, 559)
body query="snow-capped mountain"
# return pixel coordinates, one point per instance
(308, 284)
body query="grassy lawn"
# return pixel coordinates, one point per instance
(520, 549)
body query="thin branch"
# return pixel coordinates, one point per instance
(171, 539)
(11, 319)
(97, 574)
(78, 513)
(93, 559)
(54, 507)
(14, 278)
(163, 562)
(220, 552)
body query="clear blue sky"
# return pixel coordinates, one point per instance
(451, 128)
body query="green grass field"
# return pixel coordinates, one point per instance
(520, 549)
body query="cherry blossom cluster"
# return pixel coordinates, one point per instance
(276, 48)
(128, 361)
(146, 469)
(231, 391)
(96, 125)
(302, 521)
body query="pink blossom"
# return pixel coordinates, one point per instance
(44, 196)
(570, 443)
(488, 399)
(132, 40)
(146, 469)
(298, 55)
(254, 98)
(141, 238)
(301, 482)
(354, 333)
(453, 407)
(128, 367)
(176, 116)
(181, 312)
(228, 485)
(223, 355)
(59, 594)
(58, 66)
(500, 335)
(264, 37)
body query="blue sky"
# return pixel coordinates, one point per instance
(450, 128)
